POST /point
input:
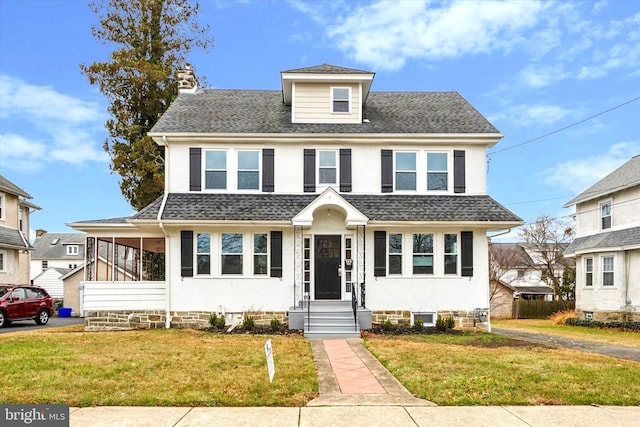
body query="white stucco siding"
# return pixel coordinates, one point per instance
(230, 293)
(312, 103)
(625, 206)
(626, 287)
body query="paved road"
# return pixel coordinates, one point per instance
(620, 352)
(28, 325)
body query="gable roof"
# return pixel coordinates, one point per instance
(52, 246)
(626, 176)
(283, 207)
(222, 111)
(9, 187)
(327, 69)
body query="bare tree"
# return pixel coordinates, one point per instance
(546, 239)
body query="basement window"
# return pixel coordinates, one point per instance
(428, 318)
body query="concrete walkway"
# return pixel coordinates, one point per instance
(356, 390)
(617, 351)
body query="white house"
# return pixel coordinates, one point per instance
(302, 202)
(57, 250)
(607, 246)
(15, 211)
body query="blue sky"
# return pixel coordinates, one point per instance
(532, 68)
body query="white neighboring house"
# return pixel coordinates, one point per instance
(520, 269)
(607, 246)
(51, 280)
(59, 250)
(320, 198)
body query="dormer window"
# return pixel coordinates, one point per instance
(340, 97)
(72, 250)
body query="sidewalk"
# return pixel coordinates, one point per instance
(356, 390)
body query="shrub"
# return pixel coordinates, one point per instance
(441, 324)
(560, 317)
(217, 321)
(248, 323)
(275, 325)
(213, 317)
(450, 322)
(386, 325)
(627, 326)
(418, 325)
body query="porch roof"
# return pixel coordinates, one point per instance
(628, 238)
(283, 207)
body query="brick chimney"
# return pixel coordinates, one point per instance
(187, 80)
(40, 232)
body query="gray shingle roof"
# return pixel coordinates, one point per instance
(328, 69)
(629, 237)
(262, 111)
(45, 248)
(283, 207)
(12, 238)
(9, 187)
(627, 175)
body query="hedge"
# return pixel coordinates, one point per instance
(628, 326)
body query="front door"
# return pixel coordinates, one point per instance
(327, 263)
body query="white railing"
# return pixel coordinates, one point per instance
(124, 296)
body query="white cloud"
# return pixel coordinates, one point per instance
(385, 34)
(532, 115)
(42, 125)
(541, 76)
(579, 174)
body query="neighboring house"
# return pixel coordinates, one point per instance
(15, 211)
(72, 290)
(280, 203)
(607, 246)
(51, 280)
(58, 250)
(501, 297)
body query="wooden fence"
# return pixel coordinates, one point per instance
(536, 309)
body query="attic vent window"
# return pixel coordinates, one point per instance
(340, 100)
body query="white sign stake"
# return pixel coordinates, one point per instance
(269, 351)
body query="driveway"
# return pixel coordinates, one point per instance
(620, 352)
(30, 325)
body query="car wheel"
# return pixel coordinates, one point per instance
(3, 319)
(43, 317)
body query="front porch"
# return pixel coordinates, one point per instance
(329, 319)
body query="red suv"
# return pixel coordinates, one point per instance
(24, 302)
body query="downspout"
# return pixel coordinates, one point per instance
(167, 246)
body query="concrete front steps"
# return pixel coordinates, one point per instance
(331, 319)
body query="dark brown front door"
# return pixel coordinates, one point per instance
(327, 263)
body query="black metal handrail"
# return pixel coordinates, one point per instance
(354, 306)
(308, 297)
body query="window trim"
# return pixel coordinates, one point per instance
(612, 271)
(3, 261)
(205, 169)
(588, 272)
(434, 315)
(240, 254)
(3, 198)
(258, 170)
(336, 167)
(199, 254)
(266, 254)
(406, 171)
(446, 172)
(601, 205)
(456, 254)
(394, 254)
(72, 250)
(427, 254)
(333, 99)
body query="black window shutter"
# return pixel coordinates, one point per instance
(387, 171)
(276, 254)
(309, 170)
(195, 169)
(379, 253)
(268, 170)
(186, 253)
(458, 172)
(466, 249)
(345, 170)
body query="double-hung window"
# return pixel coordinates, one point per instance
(405, 171)
(2, 206)
(437, 172)
(248, 170)
(215, 172)
(2, 261)
(72, 250)
(395, 253)
(260, 254)
(231, 253)
(607, 271)
(340, 100)
(203, 253)
(423, 254)
(605, 214)
(588, 271)
(327, 168)
(450, 254)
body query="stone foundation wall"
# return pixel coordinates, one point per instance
(610, 316)
(125, 320)
(464, 319)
